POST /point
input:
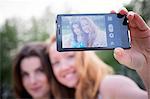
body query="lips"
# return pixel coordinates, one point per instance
(35, 89)
(69, 76)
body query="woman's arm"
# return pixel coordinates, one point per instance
(138, 57)
(121, 87)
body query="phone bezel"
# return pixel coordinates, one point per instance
(59, 35)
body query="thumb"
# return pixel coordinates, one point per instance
(130, 58)
(122, 57)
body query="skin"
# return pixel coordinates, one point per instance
(138, 57)
(63, 65)
(120, 87)
(85, 26)
(89, 29)
(34, 79)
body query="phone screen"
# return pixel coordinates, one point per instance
(92, 32)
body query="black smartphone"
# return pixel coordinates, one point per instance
(81, 32)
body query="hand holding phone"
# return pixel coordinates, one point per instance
(80, 32)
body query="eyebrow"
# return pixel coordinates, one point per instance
(23, 72)
(40, 67)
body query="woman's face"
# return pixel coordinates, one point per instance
(85, 25)
(63, 65)
(76, 29)
(34, 78)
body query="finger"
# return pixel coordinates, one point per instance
(132, 23)
(123, 11)
(113, 11)
(137, 21)
(130, 15)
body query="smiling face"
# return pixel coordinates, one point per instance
(85, 25)
(76, 29)
(63, 65)
(34, 78)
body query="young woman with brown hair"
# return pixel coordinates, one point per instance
(32, 72)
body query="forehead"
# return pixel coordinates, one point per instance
(30, 63)
(54, 53)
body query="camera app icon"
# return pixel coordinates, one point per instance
(111, 35)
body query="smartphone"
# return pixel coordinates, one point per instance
(81, 32)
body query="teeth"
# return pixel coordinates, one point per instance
(69, 76)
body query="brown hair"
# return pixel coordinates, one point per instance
(32, 49)
(91, 71)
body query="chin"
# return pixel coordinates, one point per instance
(37, 95)
(72, 85)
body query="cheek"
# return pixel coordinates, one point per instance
(43, 81)
(56, 72)
(25, 81)
(42, 78)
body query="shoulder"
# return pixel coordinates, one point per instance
(116, 85)
(117, 79)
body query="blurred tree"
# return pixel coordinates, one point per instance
(142, 7)
(13, 35)
(7, 45)
(145, 10)
(107, 57)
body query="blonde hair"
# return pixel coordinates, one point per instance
(91, 71)
(95, 30)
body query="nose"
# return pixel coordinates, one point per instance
(32, 79)
(65, 65)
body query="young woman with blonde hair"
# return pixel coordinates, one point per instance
(96, 34)
(89, 76)
(82, 68)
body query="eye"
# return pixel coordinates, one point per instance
(56, 63)
(40, 70)
(24, 74)
(71, 57)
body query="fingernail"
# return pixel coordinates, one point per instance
(118, 52)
